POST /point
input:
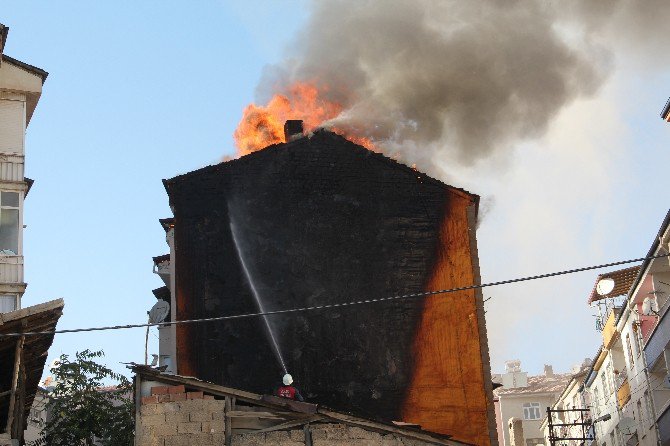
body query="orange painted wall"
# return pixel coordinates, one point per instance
(450, 391)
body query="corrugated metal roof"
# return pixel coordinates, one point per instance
(623, 280)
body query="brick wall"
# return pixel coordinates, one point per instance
(173, 417)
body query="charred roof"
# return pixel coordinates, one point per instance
(318, 138)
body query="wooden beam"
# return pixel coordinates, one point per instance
(20, 407)
(138, 403)
(228, 424)
(15, 381)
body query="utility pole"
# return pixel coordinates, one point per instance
(584, 426)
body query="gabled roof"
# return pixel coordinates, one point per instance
(27, 67)
(32, 356)
(316, 136)
(4, 31)
(317, 413)
(537, 384)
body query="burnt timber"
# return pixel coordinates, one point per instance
(322, 220)
(247, 412)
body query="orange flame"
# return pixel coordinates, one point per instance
(262, 126)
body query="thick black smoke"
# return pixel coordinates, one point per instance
(426, 77)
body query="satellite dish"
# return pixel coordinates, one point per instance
(605, 286)
(649, 306)
(159, 312)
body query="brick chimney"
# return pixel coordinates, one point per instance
(548, 371)
(293, 129)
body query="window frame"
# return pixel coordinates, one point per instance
(16, 301)
(19, 224)
(531, 408)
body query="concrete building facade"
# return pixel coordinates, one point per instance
(20, 90)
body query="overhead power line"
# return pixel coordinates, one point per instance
(341, 304)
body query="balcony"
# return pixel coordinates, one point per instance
(623, 389)
(11, 269)
(659, 338)
(609, 331)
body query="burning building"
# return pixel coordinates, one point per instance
(318, 221)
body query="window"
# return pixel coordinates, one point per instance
(596, 402)
(605, 384)
(7, 303)
(638, 341)
(639, 417)
(630, 352)
(531, 411)
(9, 223)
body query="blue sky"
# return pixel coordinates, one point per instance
(137, 92)
(141, 91)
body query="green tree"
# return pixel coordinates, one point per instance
(82, 411)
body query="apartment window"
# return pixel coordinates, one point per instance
(7, 303)
(9, 223)
(531, 411)
(638, 341)
(596, 402)
(639, 417)
(605, 384)
(630, 352)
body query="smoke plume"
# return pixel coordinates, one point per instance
(463, 79)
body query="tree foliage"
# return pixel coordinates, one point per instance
(82, 411)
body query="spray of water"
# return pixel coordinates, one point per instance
(259, 301)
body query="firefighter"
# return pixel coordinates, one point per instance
(287, 390)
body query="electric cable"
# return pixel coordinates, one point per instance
(340, 304)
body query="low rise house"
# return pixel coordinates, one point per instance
(526, 398)
(172, 409)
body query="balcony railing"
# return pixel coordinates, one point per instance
(620, 378)
(11, 269)
(623, 393)
(609, 331)
(659, 338)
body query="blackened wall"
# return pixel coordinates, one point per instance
(319, 220)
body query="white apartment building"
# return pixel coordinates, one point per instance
(20, 90)
(618, 384)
